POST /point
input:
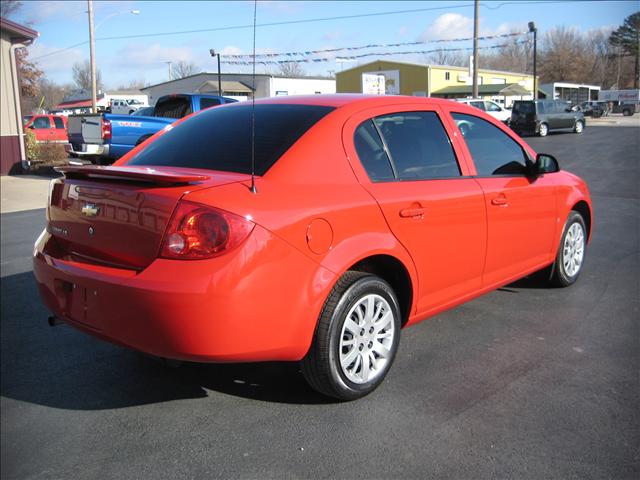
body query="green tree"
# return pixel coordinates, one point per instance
(627, 38)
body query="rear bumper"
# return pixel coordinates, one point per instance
(236, 307)
(86, 149)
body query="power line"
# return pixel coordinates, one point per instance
(362, 55)
(309, 20)
(372, 45)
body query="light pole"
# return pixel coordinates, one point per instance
(534, 30)
(217, 54)
(474, 93)
(169, 63)
(92, 56)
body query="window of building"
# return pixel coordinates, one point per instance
(418, 146)
(493, 151)
(447, 75)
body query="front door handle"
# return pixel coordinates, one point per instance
(500, 201)
(414, 212)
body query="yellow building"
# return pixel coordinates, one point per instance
(400, 78)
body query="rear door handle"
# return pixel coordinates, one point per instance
(413, 212)
(500, 201)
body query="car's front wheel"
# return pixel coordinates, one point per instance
(571, 252)
(578, 127)
(543, 130)
(356, 338)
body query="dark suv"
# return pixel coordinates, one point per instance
(543, 116)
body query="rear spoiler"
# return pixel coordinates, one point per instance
(133, 174)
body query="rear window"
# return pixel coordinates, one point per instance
(524, 107)
(220, 138)
(174, 107)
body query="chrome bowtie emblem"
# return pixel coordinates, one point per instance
(90, 210)
(91, 231)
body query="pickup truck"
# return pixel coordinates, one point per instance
(103, 137)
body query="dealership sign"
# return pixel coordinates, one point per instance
(384, 82)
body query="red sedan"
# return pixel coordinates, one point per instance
(369, 214)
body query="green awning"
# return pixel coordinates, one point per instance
(502, 89)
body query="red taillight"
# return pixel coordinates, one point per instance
(197, 231)
(106, 129)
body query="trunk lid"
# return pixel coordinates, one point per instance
(85, 129)
(117, 216)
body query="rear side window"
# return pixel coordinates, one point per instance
(176, 107)
(493, 151)
(371, 153)
(208, 102)
(41, 122)
(59, 123)
(220, 138)
(418, 145)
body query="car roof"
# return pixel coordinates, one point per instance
(342, 99)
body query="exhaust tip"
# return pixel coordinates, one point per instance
(54, 321)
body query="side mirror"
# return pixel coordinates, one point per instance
(546, 164)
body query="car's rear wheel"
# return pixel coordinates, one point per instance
(578, 127)
(543, 130)
(626, 112)
(356, 339)
(571, 252)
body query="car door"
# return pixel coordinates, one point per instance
(60, 130)
(521, 210)
(41, 127)
(409, 165)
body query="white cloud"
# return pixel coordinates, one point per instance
(449, 26)
(402, 31)
(136, 55)
(53, 60)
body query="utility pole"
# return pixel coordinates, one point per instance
(474, 93)
(534, 30)
(92, 58)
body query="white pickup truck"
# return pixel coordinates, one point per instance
(125, 107)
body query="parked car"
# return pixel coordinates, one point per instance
(104, 137)
(492, 108)
(125, 107)
(48, 128)
(592, 109)
(543, 116)
(377, 208)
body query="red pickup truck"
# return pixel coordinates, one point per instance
(48, 128)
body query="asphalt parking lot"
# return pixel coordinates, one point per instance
(525, 382)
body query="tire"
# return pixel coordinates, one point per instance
(571, 251)
(578, 126)
(334, 365)
(543, 131)
(626, 112)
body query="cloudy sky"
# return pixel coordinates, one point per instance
(136, 47)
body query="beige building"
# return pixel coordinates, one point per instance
(400, 78)
(12, 36)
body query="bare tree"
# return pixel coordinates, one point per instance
(184, 69)
(444, 57)
(133, 85)
(291, 69)
(82, 75)
(514, 56)
(51, 93)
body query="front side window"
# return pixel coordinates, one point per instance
(41, 122)
(478, 104)
(493, 151)
(418, 145)
(208, 102)
(59, 123)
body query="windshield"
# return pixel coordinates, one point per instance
(220, 138)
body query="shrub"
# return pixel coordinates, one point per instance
(51, 155)
(32, 150)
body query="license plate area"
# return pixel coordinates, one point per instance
(78, 302)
